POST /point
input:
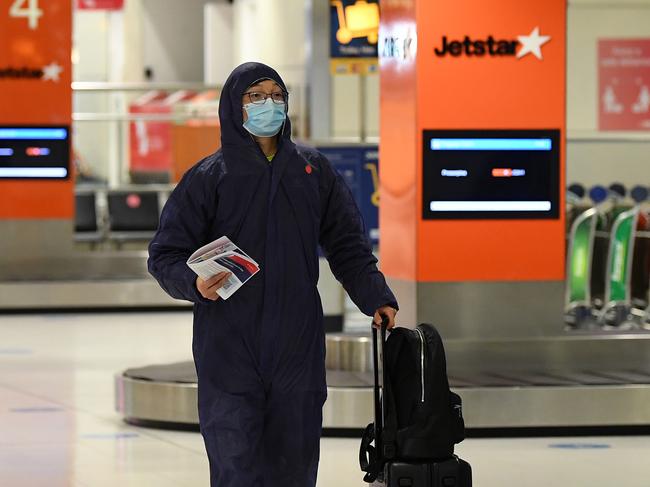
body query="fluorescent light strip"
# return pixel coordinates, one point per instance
(33, 172)
(491, 144)
(453, 206)
(36, 134)
(6, 152)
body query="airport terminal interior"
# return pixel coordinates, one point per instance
(499, 156)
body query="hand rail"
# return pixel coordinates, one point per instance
(134, 117)
(80, 86)
(595, 136)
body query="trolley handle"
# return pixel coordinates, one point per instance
(378, 396)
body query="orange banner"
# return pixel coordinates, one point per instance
(468, 65)
(35, 90)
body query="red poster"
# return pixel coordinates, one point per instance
(624, 84)
(100, 4)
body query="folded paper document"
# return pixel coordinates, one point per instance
(223, 255)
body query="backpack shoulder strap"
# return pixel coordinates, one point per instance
(368, 460)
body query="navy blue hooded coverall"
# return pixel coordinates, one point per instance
(260, 355)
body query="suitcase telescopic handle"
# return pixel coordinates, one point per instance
(379, 416)
(371, 459)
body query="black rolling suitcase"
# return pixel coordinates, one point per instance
(418, 420)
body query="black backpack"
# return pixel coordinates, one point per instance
(417, 417)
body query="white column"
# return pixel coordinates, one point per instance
(273, 32)
(219, 42)
(116, 150)
(132, 44)
(318, 70)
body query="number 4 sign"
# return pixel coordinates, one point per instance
(35, 67)
(26, 9)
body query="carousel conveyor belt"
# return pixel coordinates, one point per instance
(569, 381)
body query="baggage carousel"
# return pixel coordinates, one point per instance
(81, 281)
(113, 281)
(573, 383)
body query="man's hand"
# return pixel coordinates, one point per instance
(208, 289)
(386, 311)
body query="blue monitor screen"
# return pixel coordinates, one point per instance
(35, 152)
(491, 174)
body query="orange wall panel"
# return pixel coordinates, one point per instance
(43, 46)
(398, 214)
(471, 92)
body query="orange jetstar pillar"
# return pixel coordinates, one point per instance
(35, 109)
(472, 162)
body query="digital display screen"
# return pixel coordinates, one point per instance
(34, 152)
(491, 174)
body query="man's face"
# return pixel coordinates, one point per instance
(266, 87)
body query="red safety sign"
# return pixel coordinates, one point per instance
(100, 4)
(624, 84)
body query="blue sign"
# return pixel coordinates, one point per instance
(359, 167)
(354, 28)
(33, 133)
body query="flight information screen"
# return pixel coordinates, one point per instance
(491, 174)
(34, 152)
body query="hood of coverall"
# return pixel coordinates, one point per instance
(231, 117)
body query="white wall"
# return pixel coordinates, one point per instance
(591, 158)
(355, 106)
(91, 62)
(588, 22)
(173, 39)
(218, 41)
(90, 52)
(166, 35)
(318, 78)
(346, 106)
(273, 32)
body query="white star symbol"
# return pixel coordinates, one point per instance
(52, 72)
(532, 43)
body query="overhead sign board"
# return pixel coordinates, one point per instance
(353, 36)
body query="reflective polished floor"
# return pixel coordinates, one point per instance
(58, 426)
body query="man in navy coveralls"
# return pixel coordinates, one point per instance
(260, 355)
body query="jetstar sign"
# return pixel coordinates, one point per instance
(51, 72)
(530, 44)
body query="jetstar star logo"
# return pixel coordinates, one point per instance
(51, 72)
(530, 44)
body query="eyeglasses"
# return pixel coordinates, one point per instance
(259, 97)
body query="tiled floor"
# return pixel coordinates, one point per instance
(58, 426)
